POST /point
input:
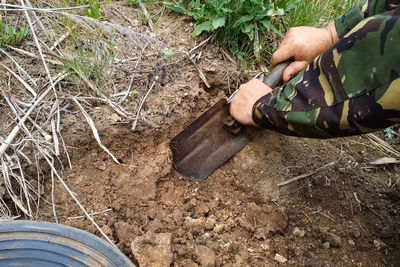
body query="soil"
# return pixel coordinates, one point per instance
(342, 215)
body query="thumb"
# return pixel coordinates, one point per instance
(293, 69)
(282, 54)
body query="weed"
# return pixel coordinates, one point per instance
(10, 35)
(168, 54)
(95, 11)
(317, 13)
(88, 65)
(237, 22)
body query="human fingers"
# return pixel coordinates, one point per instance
(293, 69)
(242, 104)
(283, 53)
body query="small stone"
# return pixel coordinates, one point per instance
(279, 258)
(298, 232)
(205, 256)
(333, 239)
(250, 250)
(351, 242)
(48, 138)
(327, 245)
(151, 213)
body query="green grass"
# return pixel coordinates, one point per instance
(95, 11)
(317, 13)
(11, 35)
(89, 65)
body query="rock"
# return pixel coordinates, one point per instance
(327, 245)
(332, 238)
(298, 232)
(351, 242)
(151, 213)
(48, 138)
(205, 256)
(279, 258)
(153, 250)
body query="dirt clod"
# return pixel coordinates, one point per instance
(279, 258)
(333, 239)
(153, 250)
(205, 256)
(298, 232)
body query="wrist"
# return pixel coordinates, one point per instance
(331, 29)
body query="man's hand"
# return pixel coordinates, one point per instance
(244, 100)
(304, 44)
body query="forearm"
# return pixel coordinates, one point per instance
(342, 92)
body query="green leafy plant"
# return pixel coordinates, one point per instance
(168, 53)
(10, 35)
(236, 23)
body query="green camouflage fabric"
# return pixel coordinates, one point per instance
(365, 9)
(352, 88)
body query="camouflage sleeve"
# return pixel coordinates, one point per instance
(350, 89)
(363, 10)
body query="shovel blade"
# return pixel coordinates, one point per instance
(205, 144)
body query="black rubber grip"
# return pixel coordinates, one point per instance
(274, 78)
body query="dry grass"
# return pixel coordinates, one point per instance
(37, 98)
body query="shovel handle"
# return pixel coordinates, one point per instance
(273, 79)
(275, 76)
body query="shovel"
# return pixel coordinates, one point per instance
(214, 137)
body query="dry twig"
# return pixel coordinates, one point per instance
(141, 104)
(294, 179)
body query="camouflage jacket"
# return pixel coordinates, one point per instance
(352, 88)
